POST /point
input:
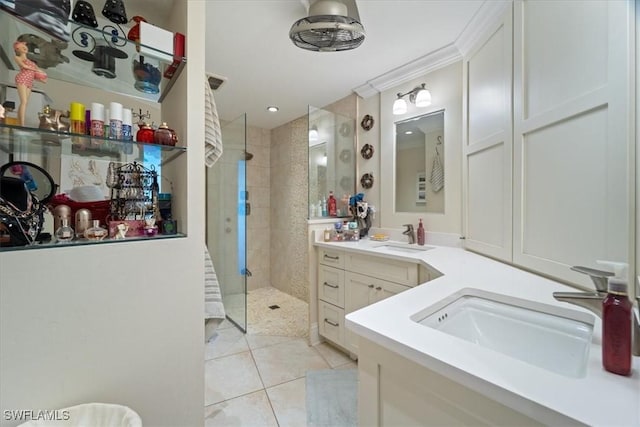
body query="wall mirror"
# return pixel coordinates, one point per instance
(332, 160)
(419, 167)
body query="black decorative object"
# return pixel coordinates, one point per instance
(25, 188)
(366, 181)
(104, 64)
(367, 122)
(114, 11)
(83, 14)
(367, 151)
(135, 193)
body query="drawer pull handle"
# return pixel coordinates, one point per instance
(331, 286)
(371, 286)
(336, 258)
(379, 288)
(331, 323)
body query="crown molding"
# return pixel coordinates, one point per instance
(483, 21)
(410, 71)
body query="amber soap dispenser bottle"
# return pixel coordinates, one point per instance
(420, 233)
(616, 323)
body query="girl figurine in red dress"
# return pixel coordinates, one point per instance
(29, 71)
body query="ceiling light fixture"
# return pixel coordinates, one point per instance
(272, 108)
(418, 95)
(329, 27)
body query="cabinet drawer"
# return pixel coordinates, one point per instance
(331, 322)
(331, 285)
(405, 273)
(331, 257)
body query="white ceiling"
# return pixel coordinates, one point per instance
(247, 41)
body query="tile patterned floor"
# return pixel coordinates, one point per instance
(259, 380)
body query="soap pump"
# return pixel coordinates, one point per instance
(420, 233)
(616, 322)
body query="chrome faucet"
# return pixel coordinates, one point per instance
(410, 233)
(593, 300)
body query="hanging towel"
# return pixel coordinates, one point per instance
(437, 174)
(212, 130)
(212, 295)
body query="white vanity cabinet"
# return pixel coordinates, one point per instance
(349, 281)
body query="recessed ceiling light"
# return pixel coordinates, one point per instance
(272, 108)
(409, 132)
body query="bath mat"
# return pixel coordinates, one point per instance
(332, 398)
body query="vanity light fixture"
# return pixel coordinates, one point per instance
(418, 95)
(272, 109)
(313, 134)
(408, 132)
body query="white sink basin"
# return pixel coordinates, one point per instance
(399, 247)
(546, 336)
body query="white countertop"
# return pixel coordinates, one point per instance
(600, 398)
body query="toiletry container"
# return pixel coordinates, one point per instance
(420, 233)
(332, 205)
(616, 322)
(83, 221)
(324, 207)
(77, 116)
(115, 120)
(97, 119)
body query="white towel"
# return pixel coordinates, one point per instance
(213, 306)
(213, 132)
(437, 174)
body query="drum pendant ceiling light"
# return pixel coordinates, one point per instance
(331, 26)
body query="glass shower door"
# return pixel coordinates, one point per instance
(226, 220)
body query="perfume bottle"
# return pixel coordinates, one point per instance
(96, 232)
(64, 233)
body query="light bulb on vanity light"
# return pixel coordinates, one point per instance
(399, 106)
(423, 98)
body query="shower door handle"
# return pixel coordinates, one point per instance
(247, 208)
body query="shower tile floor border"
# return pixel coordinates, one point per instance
(259, 380)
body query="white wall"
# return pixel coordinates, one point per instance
(445, 85)
(122, 322)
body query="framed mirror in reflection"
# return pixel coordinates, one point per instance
(419, 157)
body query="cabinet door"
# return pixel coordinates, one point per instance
(359, 292)
(331, 285)
(572, 134)
(487, 143)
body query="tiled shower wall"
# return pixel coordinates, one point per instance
(259, 221)
(289, 201)
(289, 147)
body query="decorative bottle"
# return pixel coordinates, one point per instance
(64, 233)
(96, 232)
(420, 233)
(332, 205)
(324, 207)
(616, 323)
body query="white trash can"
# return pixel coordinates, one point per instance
(89, 415)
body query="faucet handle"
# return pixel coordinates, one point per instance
(409, 227)
(599, 277)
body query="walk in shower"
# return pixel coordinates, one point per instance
(227, 210)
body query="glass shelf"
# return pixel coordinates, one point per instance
(85, 242)
(20, 141)
(122, 53)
